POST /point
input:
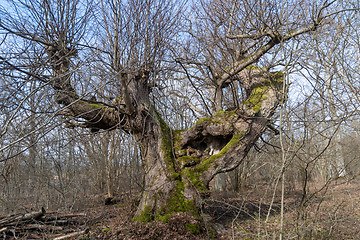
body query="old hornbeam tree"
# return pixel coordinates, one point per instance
(178, 163)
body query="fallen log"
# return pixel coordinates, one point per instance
(70, 235)
(73, 215)
(15, 219)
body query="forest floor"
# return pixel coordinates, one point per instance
(332, 213)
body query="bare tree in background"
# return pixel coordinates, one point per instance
(331, 66)
(133, 46)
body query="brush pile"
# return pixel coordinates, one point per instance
(42, 225)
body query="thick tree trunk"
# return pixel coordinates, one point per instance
(180, 164)
(165, 185)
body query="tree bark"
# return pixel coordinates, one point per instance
(220, 182)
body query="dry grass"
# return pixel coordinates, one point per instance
(333, 213)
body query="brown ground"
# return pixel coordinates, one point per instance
(331, 214)
(334, 213)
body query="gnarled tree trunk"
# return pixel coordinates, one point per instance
(178, 164)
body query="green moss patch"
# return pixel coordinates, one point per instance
(186, 161)
(106, 229)
(193, 228)
(254, 67)
(194, 175)
(223, 116)
(96, 105)
(177, 143)
(220, 117)
(177, 203)
(145, 216)
(278, 76)
(167, 146)
(206, 120)
(258, 95)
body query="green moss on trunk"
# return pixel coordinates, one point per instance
(220, 117)
(96, 105)
(258, 95)
(145, 216)
(167, 147)
(177, 203)
(175, 200)
(187, 161)
(225, 115)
